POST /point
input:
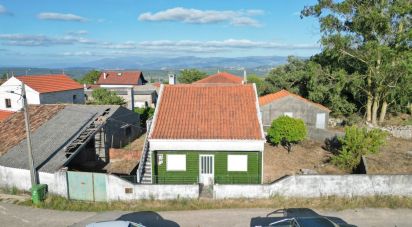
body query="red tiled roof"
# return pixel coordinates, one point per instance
(222, 77)
(156, 84)
(4, 114)
(126, 78)
(281, 94)
(50, 83)
(207, 111)
(12, 130)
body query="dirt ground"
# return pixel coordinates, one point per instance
(307, 155)
(392, 159)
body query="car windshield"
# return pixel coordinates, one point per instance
(315, 222)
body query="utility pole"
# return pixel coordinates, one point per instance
(33, 172)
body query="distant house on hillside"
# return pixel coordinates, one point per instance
(40, 89)
(206, 133)
(286, 103)
(221, 78)
(127, 79)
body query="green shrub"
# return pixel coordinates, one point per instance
(355, 143)
(287, 131)
(145, 113)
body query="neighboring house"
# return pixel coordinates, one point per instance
(121, 79)
(40, 89)
(63, 137)
(283, 102)
(221, 77)
(143, 95)
(206, 133)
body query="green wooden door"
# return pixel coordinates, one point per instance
(80, 185)
(99, 187)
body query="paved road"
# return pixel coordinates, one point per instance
(14, 215)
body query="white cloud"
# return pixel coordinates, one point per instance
(4, 11)
(223, 44)
(78, 53)
(41, 40)
(60, 17)
(125, 45)
(79, 32)
(196, 16)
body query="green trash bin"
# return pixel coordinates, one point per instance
(38, 193)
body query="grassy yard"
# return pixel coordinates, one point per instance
(329, 203)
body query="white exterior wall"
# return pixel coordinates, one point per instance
(14, 85)
(20, 178)
(322, 185)
(63, 97)
(116, 86)
(206, 145)
(116, 190)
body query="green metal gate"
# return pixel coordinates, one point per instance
(86, 186)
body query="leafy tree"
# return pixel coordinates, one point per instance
(355, 143)
(287, 131)
(262, 87)
(188, 76)
(103, 96)
(376, 35)
(145, 113)
(90, 77)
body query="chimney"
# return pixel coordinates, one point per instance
(104, 75)
(244, 77)
(172, 78)
(119, 74)
(84, 87)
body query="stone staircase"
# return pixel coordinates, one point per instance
(147, 173)
(144, 171)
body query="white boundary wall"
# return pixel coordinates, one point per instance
(322, 185)
(116, 190)
(20, 178)
(115, 186)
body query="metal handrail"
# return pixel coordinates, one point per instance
(142, 162)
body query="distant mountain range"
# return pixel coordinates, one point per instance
(159, 66)
(186, 62)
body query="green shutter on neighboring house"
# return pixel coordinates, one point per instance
(221, 174)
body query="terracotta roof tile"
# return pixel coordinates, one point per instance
(207, 111)
(50, 83)
(284, 93)
(12, 130)
(126, 78)
(222, 77)
(4, 114)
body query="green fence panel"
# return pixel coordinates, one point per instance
(80, 185)
(99, 185)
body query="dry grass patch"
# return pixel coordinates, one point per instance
(330, 203)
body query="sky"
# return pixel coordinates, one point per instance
(35, 32)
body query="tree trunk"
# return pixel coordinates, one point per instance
(410, 108)
(375, 107)
(383, 112)
(369, 108)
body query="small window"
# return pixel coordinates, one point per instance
(237, 163)
(74, 98)
(8, 103)
(128, 190)
(176, 162)
(289, 114)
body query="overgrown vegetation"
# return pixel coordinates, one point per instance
(90, 77)
(145, 113)
(287, 131)
(355, 143)
(330, 202)
(188, 76)
(103, 96)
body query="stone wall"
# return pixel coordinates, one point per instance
(322, 185)
(403, 132)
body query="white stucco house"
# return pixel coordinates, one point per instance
(40, 89)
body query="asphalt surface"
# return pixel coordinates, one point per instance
(14, 215)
